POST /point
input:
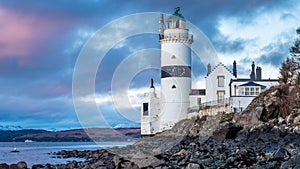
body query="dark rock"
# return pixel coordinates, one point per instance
(13, 166)
(4, 166)
(273, 165)
(22, 165)
(127, 164)
(37, 166)
(233, 131)
(282, 154)
(293, 162)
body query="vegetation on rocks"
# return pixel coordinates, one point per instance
(290, 67)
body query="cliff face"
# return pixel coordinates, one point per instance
(266, 135)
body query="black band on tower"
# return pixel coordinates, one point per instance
(175, 71)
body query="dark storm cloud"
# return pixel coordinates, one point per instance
(273, 58)
(224, 45)
(275, 53)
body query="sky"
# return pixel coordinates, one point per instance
(78, 64)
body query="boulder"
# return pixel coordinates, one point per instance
(282, 154)
(293, 162)
(181, 152)
(297, 119)
(22, 165)
(13, 166)
(37, 166)
(4, 166)
(193, 166)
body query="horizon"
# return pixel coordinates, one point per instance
(18, 128)
(42, 41)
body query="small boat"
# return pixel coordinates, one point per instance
(15, 150)
(28, 141)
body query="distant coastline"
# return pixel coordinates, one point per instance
(74, 135)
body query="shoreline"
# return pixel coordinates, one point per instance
(41, 153)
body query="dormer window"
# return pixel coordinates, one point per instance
(250, 89)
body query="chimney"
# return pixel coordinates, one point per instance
(208, 69)
(252, 75)
(152, 85)
(234, 69)
(258, 73)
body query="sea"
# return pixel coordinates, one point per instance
(42, 152)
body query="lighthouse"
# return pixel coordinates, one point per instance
(177, 100)
(175, 43)
(159, 114)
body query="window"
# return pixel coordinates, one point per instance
(247, 93)
(145, 109)
(221, 96)
(251, 91)
(256, 91)
(242, 92)
(199, 101)
(177, 24)
(220, 81)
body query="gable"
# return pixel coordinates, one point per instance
(220, 69)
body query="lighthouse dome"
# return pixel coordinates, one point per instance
(176, 20)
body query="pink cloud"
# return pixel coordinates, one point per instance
(21, 34)
(61, 89)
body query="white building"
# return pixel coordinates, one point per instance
(150, 112)
(217, 82)
(223, 86)
(177, 99)
(243, 91)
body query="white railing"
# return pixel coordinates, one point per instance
(178, 35)
(222, 102)
(226, 101)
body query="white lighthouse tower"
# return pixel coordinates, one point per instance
(159, 114)
(175, 43)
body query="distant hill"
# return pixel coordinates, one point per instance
(10, 127)
(76, 135)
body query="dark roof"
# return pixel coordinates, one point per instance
(197, 92)
(251, 84)
(262, 80)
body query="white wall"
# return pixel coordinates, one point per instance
(150, 123)
(211, 82)
(241, 103)
(194, 100)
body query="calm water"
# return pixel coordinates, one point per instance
(37, 152)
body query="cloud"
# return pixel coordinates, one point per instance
(41, 40)
(262, 34)
(133, 95)
(115, 111)
(37, 113)
(24, 33)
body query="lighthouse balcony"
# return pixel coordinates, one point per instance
(177, 37)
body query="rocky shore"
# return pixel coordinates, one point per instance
(265, 136)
